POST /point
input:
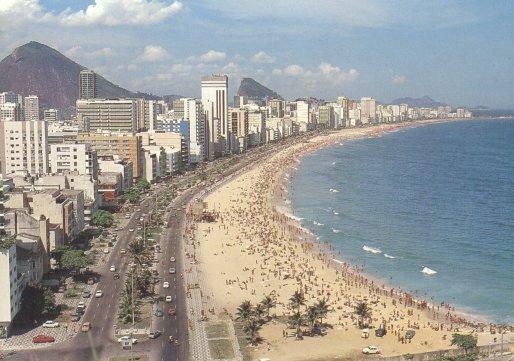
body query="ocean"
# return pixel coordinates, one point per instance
(436, 198)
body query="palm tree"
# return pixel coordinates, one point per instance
(251, 329)
(244, 311)
(363, 311)
(297, 300)
(268, 303)
(259, 312)
(312, 316)
(296, 320)
(322, 308)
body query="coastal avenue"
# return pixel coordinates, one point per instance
(99, 343)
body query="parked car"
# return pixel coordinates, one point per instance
(168, 299)
(99, 294)
(365, 333)
(80, 310)
(381, 331)
(75, 317)
(51, 324)
(409, 334)
(106, 250)
(154, 334)
(112, 268)
(370, 350)
(166, 285)
(86, 294)
(43, 339)
(123, 251)
(127, 338)
(86, 326)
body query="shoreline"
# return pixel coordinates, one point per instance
(283, 205)
(258, 247)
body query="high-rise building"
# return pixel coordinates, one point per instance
(79, 158)
(215, 106)
(10, 97)
(193, 111)
(277, 108)
(31, 107)
(368, 109)
(146, 114)
(107, 114)
(10, 112)
(87, 84)
(51, 115)
(124, 145)
(326, 116)
(302, 112)
(24, 147)
(238, 129)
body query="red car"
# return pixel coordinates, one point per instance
(43, 339)
(172, 312)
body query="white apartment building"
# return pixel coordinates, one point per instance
(10, 112)
(302, 112)
(146, 114)
(215, 106)
(107, 114)
(11, 285)
(24, 147)
(31, 107)
(67, 158)
(10, 97)
(193, 111)
(368, 110)
(51, 115)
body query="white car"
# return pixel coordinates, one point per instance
(113, 268)
(99, 294)
(127, 338)
(168, 299)
(51, 324)
(370, 350)
(106, 250)
(131, 229)
(172, 259)
(166, 285)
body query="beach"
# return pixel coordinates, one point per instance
(255, 247)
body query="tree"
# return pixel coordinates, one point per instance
(296, 320)
(142, 281)
(58, 252)
(311, 317)
(297, 300)
(37, 302)
(143, 184)
(268, 303)
(75, 259)
(126, 304)
(244, 311)
(322, 309)
(465, 342)
(259, 312)
(102, 218)
(251, 329)
(132, 195)
(138, 251)
(363, 311)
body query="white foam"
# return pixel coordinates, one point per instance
(371, 249)
(333, 163)
(336, 213)
(428, 271)
(336, 230)
(388, 256)
(333, 190)
(318, 224)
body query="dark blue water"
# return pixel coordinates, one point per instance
(439, 196)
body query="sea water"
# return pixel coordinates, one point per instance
(429, 209)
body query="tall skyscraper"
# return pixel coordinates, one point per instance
(10, 112)
(31, 107)
(367, 110)
(87, 85)
(10, 97)
(107, 114)
(193, 111)
(215, 105)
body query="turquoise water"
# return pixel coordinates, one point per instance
(438, 196)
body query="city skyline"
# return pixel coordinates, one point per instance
(454, 53)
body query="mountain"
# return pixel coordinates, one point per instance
(35, 68)
(254, 90)
(424, 102)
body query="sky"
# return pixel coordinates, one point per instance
(458, 52)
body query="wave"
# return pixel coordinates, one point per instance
(335, 213)
(333, 163)
(333, 190)
(318, 224)
(428, 271)
(389, 256)
(371, 249)
(336, 230)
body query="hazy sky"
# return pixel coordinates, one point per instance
(454, 51)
